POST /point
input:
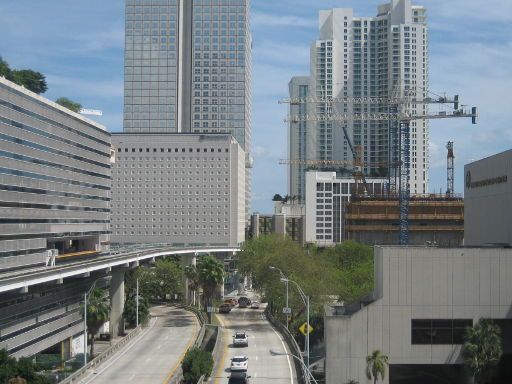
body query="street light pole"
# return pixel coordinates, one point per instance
(85, 318)
(305, 299)
(306, 369)
(85, 329)
(287, 304)
(137, 304)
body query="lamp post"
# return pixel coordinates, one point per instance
(305, 299)
(86, 299)
(283, 277)
(137, 304)
(310, 377)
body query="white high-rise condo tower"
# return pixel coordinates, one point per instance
(382, 56)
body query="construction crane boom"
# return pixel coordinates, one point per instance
(399, 111)
(371, 100)
(381, 116)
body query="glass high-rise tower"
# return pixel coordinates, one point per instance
(187, 69)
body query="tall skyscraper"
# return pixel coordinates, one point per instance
(355, 57)
(187, 69)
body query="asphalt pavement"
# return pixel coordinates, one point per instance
(153, 356)
(263, 368)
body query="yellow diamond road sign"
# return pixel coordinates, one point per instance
(304, 329)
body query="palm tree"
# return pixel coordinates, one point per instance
(98, 308)
(376, 364)
(210, 273)
(193, 281)
(482, 350)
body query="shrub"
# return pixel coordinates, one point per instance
(195, 364)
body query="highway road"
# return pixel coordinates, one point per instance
(263, 368)
(153, 356)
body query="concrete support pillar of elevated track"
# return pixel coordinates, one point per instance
(190, 298)
(117, 301)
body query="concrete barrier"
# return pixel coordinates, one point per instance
(75, 377)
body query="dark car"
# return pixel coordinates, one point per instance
(244, 302)
(239, 378)
(225, 308)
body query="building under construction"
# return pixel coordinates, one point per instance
(433, 219)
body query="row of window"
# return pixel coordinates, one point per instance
(171, 150)
(80, 132)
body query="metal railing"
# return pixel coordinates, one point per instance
(292, 344)
(75, 377)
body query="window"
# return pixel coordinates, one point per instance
(439, 331)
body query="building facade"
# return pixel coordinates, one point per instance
(424, 300)
(54, 180)
(433, 220)
(188, 69)
(327, 195)
(178, 189)
(488, 201)
(355, 58)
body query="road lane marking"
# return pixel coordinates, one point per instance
(256, 358)
(123, 352)
(182, 356)
(220, 367)
(286, 350)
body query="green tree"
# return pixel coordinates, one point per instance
(130, 308)
(193, 280)
(158, 282)
(5, 70)
(32, 80)
(98, 308)
(195, 364)
(376, 365)
(69, 104)
(8, 366)
(482, 350)
(20, 371)
(210, 273)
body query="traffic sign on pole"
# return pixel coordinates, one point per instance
(287, 311)
(305, 330)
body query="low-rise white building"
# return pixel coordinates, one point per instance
(488, 201)
(326, 196)
(178, 189)
(423, 301)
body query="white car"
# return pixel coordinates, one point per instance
(240, 339)
(255, 305)
(239, 364)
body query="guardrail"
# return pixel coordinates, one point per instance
(294, 347)
(75, 377)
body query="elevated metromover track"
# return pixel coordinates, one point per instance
(22, 279)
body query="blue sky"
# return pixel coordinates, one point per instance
(78, 44)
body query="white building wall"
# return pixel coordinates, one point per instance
(418, 283)
(385, 56)
(180, 189)
(488, 201)
(326, 196)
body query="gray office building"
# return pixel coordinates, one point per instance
(54, 180)
(187, 69)
(178, 189)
